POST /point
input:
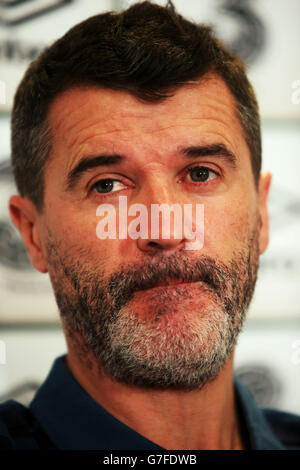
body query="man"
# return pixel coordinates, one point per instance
(147, 106)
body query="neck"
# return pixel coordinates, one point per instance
(173, 419)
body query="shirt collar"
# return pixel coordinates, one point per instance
(258, 431)
(74, 420)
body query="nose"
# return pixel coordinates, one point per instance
(165, 222)
(152, 244)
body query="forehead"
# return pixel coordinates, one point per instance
(82, 117)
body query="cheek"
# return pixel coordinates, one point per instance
(228, 228)
(75, 233)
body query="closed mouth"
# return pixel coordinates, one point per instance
(170, 283)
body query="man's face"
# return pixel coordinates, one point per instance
(113, 294)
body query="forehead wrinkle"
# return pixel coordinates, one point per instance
(158, 127)
(210, 137)
(134, 114)
(62, 112)
(106, 129)
(91, 136)
(225, 107)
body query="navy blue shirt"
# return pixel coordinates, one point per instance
(63, 416)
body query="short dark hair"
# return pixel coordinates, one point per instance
(147, 50)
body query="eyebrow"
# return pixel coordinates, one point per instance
(87, 163)
(214, 150)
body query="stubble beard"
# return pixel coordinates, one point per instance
(177, 337)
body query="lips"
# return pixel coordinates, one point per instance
(170, 283)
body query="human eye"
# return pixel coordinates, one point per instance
(201, 174)
(107, 186)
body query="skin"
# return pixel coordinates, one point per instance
(91, 121)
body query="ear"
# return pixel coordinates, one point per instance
(263, 192)
(25, 218)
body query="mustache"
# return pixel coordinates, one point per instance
(213, 274)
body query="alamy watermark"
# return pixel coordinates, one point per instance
(2, 352)
(185, 225)
(296, 92)
(2, 92)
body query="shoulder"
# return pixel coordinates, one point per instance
(19, 429)
(286, 426)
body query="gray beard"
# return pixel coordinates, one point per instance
(176, 339)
